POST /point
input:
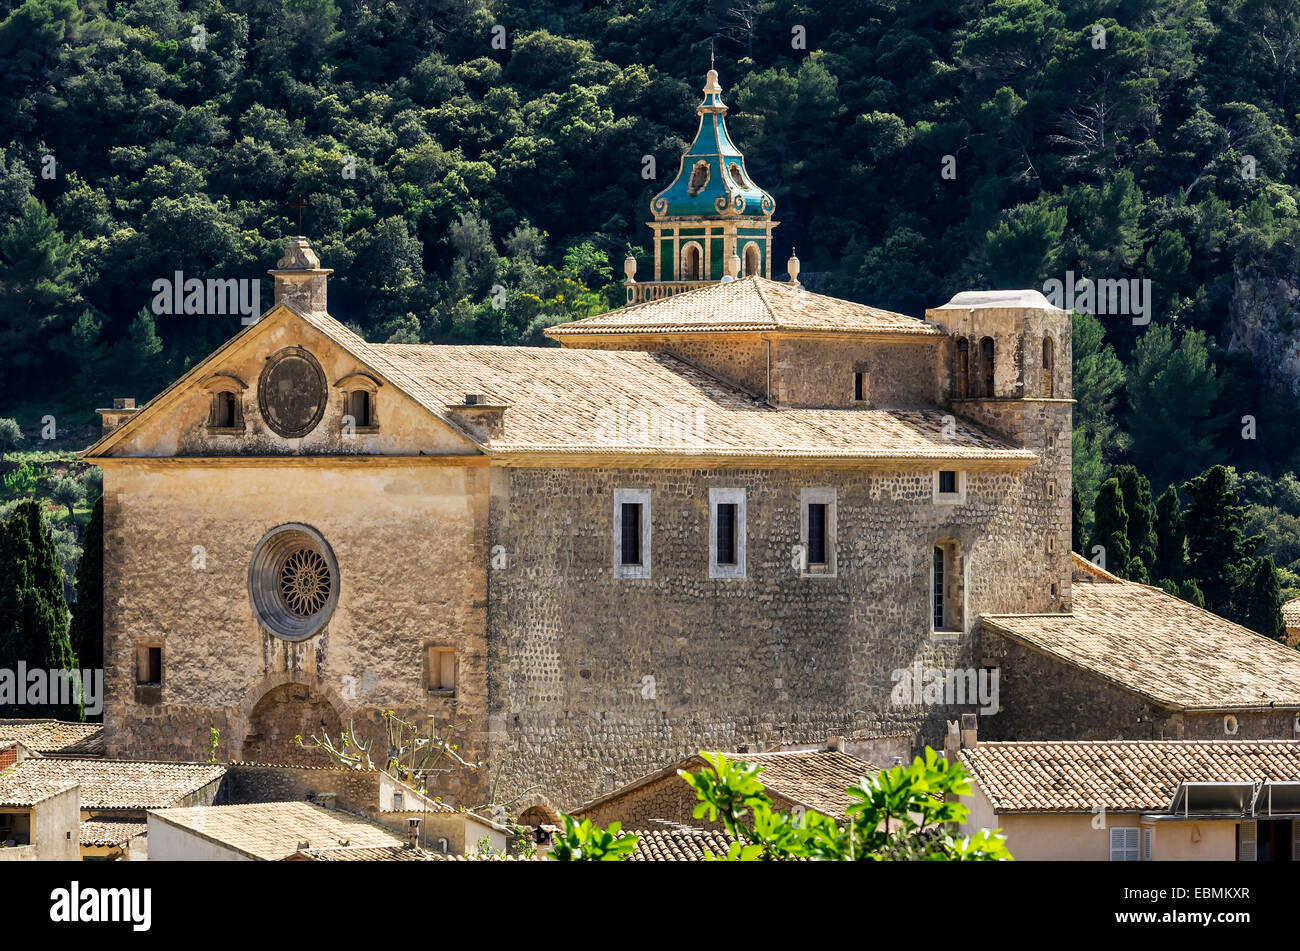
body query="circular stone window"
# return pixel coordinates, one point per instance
(293, 581)
(292, 392)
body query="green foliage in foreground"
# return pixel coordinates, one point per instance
(902, 814)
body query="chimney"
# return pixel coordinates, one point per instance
(951, 741)
(413, 832)
(325, 799)
(479, 416)
(969, 731)
(299, 278)
(123, 408)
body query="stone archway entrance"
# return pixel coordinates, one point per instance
(285, 712)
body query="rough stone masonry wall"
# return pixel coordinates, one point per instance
(738, 358)
(773, 658)
(408, 541)
(354, 790)
(815, 371)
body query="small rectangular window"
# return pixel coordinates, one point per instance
(148, 666)
(726, 533)
(440, 668)
(631, 533)
(859, 386)
(398, 802)
(817, 533)
(949, 487)
(631, 547)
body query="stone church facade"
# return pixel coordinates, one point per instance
(725, 515)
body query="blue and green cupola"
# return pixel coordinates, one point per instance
(713, 222)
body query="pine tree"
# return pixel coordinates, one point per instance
(1110, 529)
(86, 632)
(39, 277)
(1218, 551)
(1171, 537)
(1262, 607)
(1141, 523)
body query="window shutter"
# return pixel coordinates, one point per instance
(1146, 845)
(1295, 840)
(448, 672)
(1246, 842)
(1124, 845)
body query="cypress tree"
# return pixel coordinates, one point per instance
(1262, 607)
(1171, 537)
(1110, 529)
(86, 632)
(1141, 523)
(1218, 551)
(33, 613)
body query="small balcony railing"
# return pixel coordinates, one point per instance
(658, 290)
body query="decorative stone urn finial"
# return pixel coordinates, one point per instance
(299, 278)
(792, 266)
(733, 265)
(629, 268)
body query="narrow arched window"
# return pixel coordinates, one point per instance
(691, 263)
(360, 407)
(1049, 367)
(961, 372)
(751, 260)
(986, 359)
(224, 415)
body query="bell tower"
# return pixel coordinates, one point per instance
(713, 223)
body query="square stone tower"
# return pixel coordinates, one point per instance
(1008, 368)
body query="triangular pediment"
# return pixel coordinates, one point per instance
(290, 377)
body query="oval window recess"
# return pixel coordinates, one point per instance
(1230, 725)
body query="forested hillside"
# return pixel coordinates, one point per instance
(448, 147)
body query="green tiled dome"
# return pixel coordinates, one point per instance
(712, 181)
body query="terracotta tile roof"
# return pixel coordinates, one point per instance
(1160, 647)
(818, 779)
(751, 304)
(1291, 613)
(105, 831)
(374, 853)
(1120, 775)
(28, 790)
(118, 784)
(276, 830)
(56, 736)
(477, 857)
(628, 402)
(590, 402)
(674, 842)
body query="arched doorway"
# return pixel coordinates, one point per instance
(285, 712)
